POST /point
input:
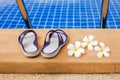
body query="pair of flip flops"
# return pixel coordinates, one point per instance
(56, 39)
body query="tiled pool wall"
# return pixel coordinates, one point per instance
(59, 14)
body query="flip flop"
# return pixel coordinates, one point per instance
(57, 39)
(29, 44)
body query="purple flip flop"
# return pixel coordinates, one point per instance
(29, 44)
(57, 39)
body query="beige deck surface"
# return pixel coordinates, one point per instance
(59, 76)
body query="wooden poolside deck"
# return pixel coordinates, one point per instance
(13, 61)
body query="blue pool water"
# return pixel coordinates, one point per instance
(59, 14)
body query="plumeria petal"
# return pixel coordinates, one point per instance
(70, 52)
(99, 55)
(81, 50)
(102, 45)
(85, 39)
(77, 44)
(106, 54)
(97, 48)
(84, 44)
(90, 37)
(107, 49)
(70, 46)
(77, 54)
(94, 43)
(90, 47)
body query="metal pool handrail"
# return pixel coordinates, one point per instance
(104, 11)
(23, 11)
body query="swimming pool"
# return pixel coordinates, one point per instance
(59, 14)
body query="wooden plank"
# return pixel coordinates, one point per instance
(13, 61)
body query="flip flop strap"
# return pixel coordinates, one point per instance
(51, 32)
(62, 32)
(60, 38)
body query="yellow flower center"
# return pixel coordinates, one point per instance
(75, 49)
(102, 50)
(88, 42)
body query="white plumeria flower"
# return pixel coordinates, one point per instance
(102, 50)
(89, 42)
(76, 49)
